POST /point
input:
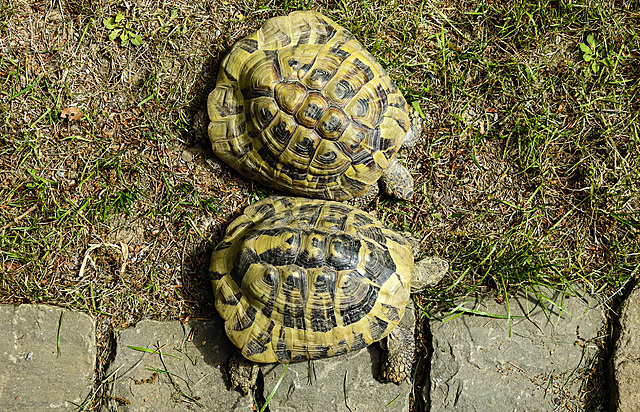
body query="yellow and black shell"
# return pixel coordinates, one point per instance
(298, 278)
(301, 106)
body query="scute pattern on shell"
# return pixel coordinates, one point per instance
(300, 105)
(297, 279)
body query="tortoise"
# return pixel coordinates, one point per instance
(301, 106)
(301, 279)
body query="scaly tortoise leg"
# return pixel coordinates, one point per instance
(396, 181)
(397, 355)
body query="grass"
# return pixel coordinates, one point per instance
(527, 175)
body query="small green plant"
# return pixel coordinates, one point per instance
(120, 29)
(595, 56)
(172, 25)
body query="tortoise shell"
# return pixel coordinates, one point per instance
(302, 107)
(298, 279)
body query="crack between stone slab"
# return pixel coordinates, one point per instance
(103, 363)
(259, 395)
(420, 396)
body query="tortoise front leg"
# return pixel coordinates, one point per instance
(242, 373)
(397, 355)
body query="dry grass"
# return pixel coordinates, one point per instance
(527, 175)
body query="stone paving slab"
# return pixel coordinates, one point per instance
(626, 356)
(183, 375)
(346, 383)
(47, 358)
(479, 363)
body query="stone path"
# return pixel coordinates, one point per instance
(47, 358)
(529, 362)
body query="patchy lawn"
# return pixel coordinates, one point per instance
(111, 201)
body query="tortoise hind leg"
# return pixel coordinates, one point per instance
(242, 373)
(397, 355)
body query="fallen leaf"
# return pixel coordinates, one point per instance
(71, 113)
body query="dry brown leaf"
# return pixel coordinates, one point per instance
(71, 113)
